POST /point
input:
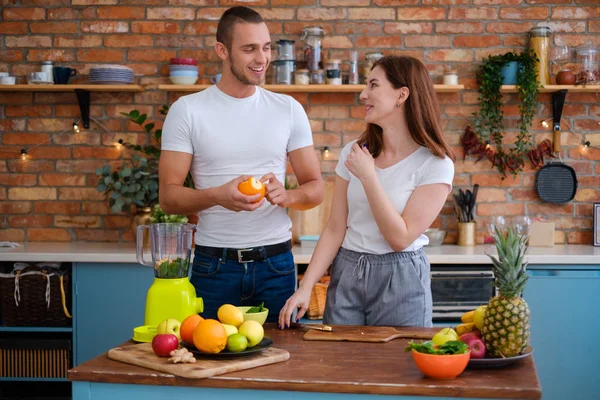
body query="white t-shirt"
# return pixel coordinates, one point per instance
(229, 137)
(399, 181)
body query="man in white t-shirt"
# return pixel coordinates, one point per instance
(224, 135)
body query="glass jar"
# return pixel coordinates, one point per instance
(587, 59)
(334, 77)
(317, 77)
(451, 78)
(312, 37)
(539, 41)
(283, 72)
(353, 78)
(371, 58)
(285, 49)
(302, 77)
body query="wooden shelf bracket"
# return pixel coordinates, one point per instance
(558, 101)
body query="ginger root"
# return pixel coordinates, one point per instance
(182, 355)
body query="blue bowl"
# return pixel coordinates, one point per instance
(184, 73)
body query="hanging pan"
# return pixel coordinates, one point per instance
(556, 183)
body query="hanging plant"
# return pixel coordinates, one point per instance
(489, 120)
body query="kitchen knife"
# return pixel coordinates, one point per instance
(324, 328)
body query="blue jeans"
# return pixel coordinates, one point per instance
(220, 282)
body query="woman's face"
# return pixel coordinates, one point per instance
(380, 97)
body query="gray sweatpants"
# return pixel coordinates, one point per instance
(392, 289)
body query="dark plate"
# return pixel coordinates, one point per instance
(497, 362)
(264, 344)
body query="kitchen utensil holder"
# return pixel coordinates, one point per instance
(467, 233)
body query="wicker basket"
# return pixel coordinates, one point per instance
(316, 307)
(35, 302)
(34, 358)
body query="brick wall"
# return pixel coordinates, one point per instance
(52, 196)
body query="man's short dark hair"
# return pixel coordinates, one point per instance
(231, 17)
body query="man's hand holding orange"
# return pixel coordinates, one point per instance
(275, 192)
(230, 196)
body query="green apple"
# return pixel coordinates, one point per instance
(170, 325)
(478, 316)
(253, 331)
(445, 335)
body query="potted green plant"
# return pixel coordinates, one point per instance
(489, 120)
(134, 184)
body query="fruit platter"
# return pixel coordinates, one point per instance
(238, 332)
(493, 335)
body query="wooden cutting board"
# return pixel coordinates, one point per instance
(375, 334)
(142, 355)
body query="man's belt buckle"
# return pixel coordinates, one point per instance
(240, 253)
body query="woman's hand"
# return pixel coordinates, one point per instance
(300, 299)
(360, 163)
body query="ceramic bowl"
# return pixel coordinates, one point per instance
(436, 236)
(184, 73)
(260, 317)
(183, 80)
(444, 366)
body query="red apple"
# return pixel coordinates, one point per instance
(164, 343)
(467, 337)
(477, 348)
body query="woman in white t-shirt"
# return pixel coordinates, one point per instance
(390, 186)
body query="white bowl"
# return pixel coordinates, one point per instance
(436, 236)
(183, 80)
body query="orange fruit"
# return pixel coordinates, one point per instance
(252, 186)
(210, 336)
(186, 331)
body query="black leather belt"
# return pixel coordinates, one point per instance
(259, 253)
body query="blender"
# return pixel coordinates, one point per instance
(171, 295)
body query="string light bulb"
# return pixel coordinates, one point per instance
(487, 145)
(23, 154)
(75, 127)
(119, 144)
(587, 144)
(326, 153)
(545, 123)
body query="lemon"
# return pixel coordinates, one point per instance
(253, 331)
(230, 315)
(237, 343)
(443, 336)
(230, 329)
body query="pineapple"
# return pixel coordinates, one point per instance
(506, 322)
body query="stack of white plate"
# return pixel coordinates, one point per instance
(111, 75)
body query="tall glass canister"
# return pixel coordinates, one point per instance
(539, 41)
(312, 37)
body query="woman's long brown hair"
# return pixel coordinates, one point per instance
(422, 108)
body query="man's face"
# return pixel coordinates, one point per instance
(250, 52)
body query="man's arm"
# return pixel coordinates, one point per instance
(174, 198)
(309, 192)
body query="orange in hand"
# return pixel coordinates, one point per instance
(186, 331)
(210, 336)
(251, 187)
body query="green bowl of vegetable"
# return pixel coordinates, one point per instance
(256, 313)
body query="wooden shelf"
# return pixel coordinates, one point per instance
(304, 88)
(556, 88)
(70, 88)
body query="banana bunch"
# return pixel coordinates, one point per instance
(467, 323)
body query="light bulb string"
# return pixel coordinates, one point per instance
(25, 151)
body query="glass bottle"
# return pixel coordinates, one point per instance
(539, 41)
(353, 72)
(587, 58)
(312, 37)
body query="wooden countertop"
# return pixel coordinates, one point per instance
(344, 367)
(101, 252)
